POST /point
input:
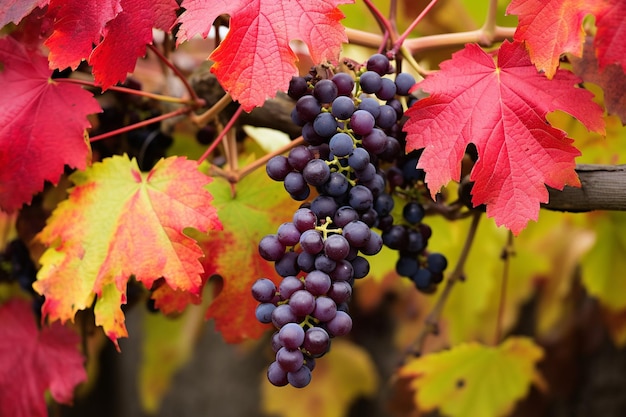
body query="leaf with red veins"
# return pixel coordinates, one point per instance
(33, 361)
(611, 24)
(42, 124)
(501, 108)
(126, 37)
(551, 28)
(255, 60)
(78, 25)
(15, 10)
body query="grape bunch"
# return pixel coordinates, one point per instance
(352, 126)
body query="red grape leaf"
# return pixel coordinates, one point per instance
(612, 80)
(78, 25)
(501, 108)
(15, 10)
(551, 28)
(126, 37)
(611, 23)
(255, 60)
(119, 222)
(256, 209)
(33, 361)
(42, 124)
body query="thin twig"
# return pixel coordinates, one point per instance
(398, 43)
(221, 136)
(431, 324)
(205, 118)
(143, 123)
(507, 252)
(178, 73)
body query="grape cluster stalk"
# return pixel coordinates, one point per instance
(353, 161)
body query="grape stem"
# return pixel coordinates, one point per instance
(431, 324)
(220, 137)
(177, 72)
(507, 252)
(399, 41)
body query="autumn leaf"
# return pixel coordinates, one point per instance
(501, 108)
(611, 23)
(73, 38)
(15, 10)
(33, 361)
(255, 210)
(344, 374)
(119, 222)
(612, 79)
(474, 380)
(255, 60)
(42, 125)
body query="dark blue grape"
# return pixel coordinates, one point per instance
(361, 198)
(375, 142)
(404, 83)
(270, 248)
(344, 215)
(316, 172)
(325, 125)
(337, 185)
(310, 135)
(370, 105)
(298, 157)
(341, 144)
(387, 89)
(436, 263)
(295, 183)
(264, 312)
(362, 122)
(413, 212)
(370, 82)
(324, 206)
(308, 108)
(278, 167)
(383, 204)
(395, 237)
(344, 83)
(407, 266)
(378, 63)
(387, 117)
(287, 265)
(342, 107)
(325, 91)
(422, 279)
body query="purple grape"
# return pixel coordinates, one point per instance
(316, 341)
(306, 261)
(359, 159)
(299, 156)
(378, 63)
(341, 144)
(325, 309)
(324, 206)
(407, 266)
(387, 117)
(308, 108)
(415, 241)
(370, 82)
(436, 262)
(371, 105)
(289, 359)
(366, 174)
(422, 279)
(298, 86)
(304, 219)
(288, 234)
(387, 89)
(283, 314)
(300, 378)
(340, 325)
(345, 215)
(362, 122)
(263, 290)
(288, 286)
(325, 91)
(311, 241)
(361, 198)
(278, 167)
(383, 204)
(295, 183)
(404, 83)
(357, 233)
(301, 303)
(340, 292)
(317, 283)
(337, 185)
(325, 264)
(270, 248)
(344, 83)
(325, 125)
(291, 335)
(361, 267)
(316, 172)
(336, 247)
(287, 265)
(310, 136)
(396, 237)
(373, 245)
(375, 142)
(343, 271)
(413, 212)
(277, 375)
(264, 312)
(342, 107)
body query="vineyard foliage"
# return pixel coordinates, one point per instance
(92, 227)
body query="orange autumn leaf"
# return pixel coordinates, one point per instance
(118, 222)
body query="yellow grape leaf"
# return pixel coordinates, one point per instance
(253, 208)
(604, 266)
(339, 377)
(473, 380)
(118, 222)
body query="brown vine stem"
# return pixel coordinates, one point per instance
(431, 324)
(203, 119)
(507, 253)
(153, 96)
(248, 169)
(490, 21)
